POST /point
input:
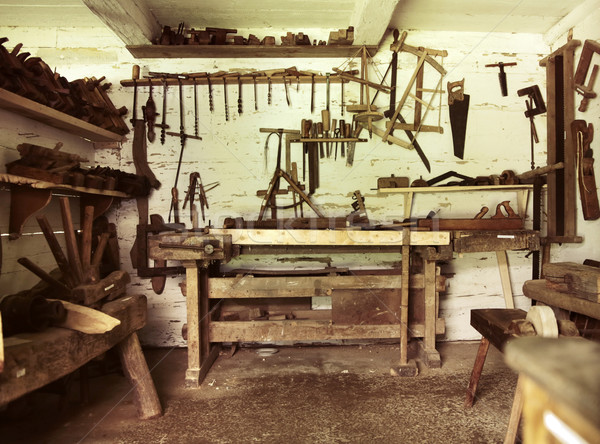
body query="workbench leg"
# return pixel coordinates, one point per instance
(515, 414)
(405, 367)
(193, 322)
(428, 353)
(136, 369)
(484, 346)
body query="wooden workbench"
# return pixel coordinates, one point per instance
(204, 291)
(537, 290)
(32, 360)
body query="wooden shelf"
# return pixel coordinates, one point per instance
(30, 195)
(245, 51)
(41, 113)
(522, 191)
(42, 185)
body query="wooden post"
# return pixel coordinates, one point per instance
(404, 304)
(193, 336)
(505, 278)
(136, 369)
(515, 414)
(1, 346)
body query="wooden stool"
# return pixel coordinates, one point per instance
(493, 325)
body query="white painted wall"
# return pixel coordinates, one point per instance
(232, 152)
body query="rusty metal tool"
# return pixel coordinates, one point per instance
(342, 104)
(225, 99)
(342, 132)
(163, 126)
(312, 93)
(502, 75)
(498, 222)
(255, 99)
(269, 89)
(269, 200)
(182, 138)
(458, 107)
(535, 106)
(211, 105)
(240, 107)
(287, 92)
(150, 114)
(195, 108)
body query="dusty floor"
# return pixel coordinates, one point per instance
(329, 394)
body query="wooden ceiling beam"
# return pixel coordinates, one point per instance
(371, 19)
(131, 20)
(573, 18)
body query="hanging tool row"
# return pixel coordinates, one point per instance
(289, 77)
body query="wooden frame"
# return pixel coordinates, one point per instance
(560, 103)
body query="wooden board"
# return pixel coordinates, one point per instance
(37, 359)
(303, 286)
(359, 307)
(330, 237)
(474, 242)
(244, 51)
(539, 291)
(582, 281)
(300, 330)
(41, 113)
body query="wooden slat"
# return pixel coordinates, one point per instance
(330, 237)
(302, 286)
(243, 51)
(306, 330)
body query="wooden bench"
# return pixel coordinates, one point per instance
(32, 360)
(493, 325)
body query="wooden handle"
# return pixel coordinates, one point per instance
(135, 72)
(86, 237)
(326, 119)
(44, 276)
(59, 256)
(99, 252)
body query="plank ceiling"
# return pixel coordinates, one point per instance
(518, 16)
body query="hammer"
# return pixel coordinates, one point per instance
(502, 75)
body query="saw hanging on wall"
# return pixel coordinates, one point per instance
(458, 106)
